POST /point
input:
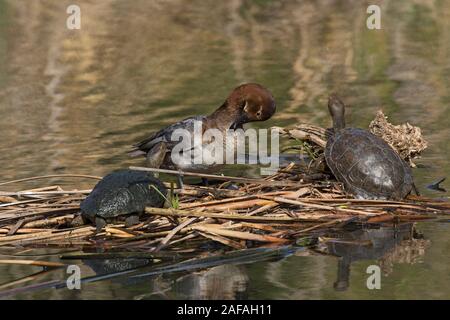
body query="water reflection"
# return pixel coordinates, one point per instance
(229, 278)
(384, 243)
(108, 266)
(298, 273)
(217, 275)
(220, 282)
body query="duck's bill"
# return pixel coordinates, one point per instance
(236, 125)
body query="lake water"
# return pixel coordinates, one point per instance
(73, 101)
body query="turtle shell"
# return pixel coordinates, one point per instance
(123, 192)
(367, 166)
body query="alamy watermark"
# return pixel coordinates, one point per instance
(374, 20)
(374, 280)
(73, 281)
(215, 147)
(73, 21)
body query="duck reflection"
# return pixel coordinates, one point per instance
(387, 244)
(174, 280)
(228, 282)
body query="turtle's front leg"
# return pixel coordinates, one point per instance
(416, 191)
(131, 220)
(100, 223)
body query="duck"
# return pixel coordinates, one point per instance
(246, 103)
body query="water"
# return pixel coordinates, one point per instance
(73, 101)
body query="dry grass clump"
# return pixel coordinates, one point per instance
(405, 138)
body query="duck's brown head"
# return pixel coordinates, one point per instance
(246, 103)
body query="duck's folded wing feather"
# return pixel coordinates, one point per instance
(165, 135)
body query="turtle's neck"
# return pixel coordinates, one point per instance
(337, 112)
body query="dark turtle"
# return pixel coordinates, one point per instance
(367, 166)
(122, 193)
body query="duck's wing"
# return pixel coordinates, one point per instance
(164, 135)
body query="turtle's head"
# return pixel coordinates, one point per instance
(337, 111)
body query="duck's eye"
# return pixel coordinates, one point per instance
(258, 114)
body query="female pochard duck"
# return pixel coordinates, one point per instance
(246, 103)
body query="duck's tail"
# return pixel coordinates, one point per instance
(136, 153)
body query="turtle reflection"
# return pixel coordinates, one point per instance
(387, 244)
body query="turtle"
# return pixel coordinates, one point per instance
(122, 193)
(366, 165)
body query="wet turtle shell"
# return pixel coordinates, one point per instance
(123, 192)
(367, 166)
